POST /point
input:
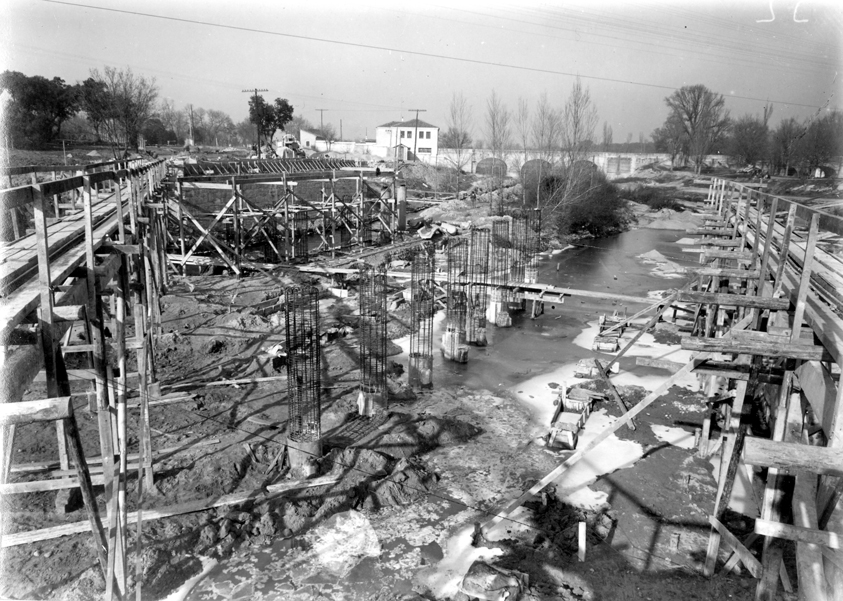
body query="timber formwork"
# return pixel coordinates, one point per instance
(86, 254)
(770, 278)
(254, 221)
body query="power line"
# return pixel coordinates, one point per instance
(405, 51)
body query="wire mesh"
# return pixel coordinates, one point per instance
(478, 293)
(422, 308)
(301, 315)
(372, 330)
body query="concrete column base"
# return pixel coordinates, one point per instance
(420, 371)
(454, 347)
(303, 456)
(370, 403)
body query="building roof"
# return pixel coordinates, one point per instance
(410, 123)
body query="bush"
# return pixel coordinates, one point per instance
(655, 198)
(582, 201)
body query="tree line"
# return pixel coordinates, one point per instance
(699, 124)
(116, 106)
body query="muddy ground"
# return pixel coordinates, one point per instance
(435, 463)
(413, 481)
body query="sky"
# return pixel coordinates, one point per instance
(367, 63)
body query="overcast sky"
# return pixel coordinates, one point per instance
(372, 62)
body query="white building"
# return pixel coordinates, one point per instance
(410, 140)
(307, 140)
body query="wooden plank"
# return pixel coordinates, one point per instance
(613, 392)
(671, 366)
(748, 559)
(734, 300)
(809, 559)
(727, 254)
(21, 538)
(25, 412)
(764, 349)
(739, 274)
(831, 540)
(790, 457)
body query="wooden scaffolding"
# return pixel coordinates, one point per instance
(86, 256)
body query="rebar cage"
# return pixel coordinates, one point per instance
(422, 308)
(478, 293)
(372, 329)
(458, 283)
(301, 315)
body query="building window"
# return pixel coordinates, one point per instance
(402, 133)
(409, 134)
(424, 150)
(307, 143)
(428, 135)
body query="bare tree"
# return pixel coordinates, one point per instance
(130, 102)
(546, 129)
(498, 132)
(217, 122)
(457, 136)
(579, 118)
(607, 136)
(704, 117)
(522, 124)
(629, 142)
(671, 138)
(750, 139)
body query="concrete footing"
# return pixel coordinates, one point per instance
(498, 310)
(454, 347)
(420, 371)
(370, 403)
(303, 456)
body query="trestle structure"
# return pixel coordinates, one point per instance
(374, 395)
(251, 221)
(86, 253)
(776, 384)
(478, 288)
(422, 308)
(454, 347)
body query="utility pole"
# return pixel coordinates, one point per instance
(322, 126)
(257, 109)
(416, 135)
(190, 124)
(340, 130)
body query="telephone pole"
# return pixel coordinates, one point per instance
(259, 116)
(322, 126)
(416, 135)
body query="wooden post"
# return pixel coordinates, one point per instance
(75, 447)
(45, 316)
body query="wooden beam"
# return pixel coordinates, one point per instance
(613, 392)
(790, 457)
(33, 536)
(748, 559)
(764, 349)
(739, 274)
(735, 300)
(656, 316)
(809, 559)
(832, 540)
(25, 412)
